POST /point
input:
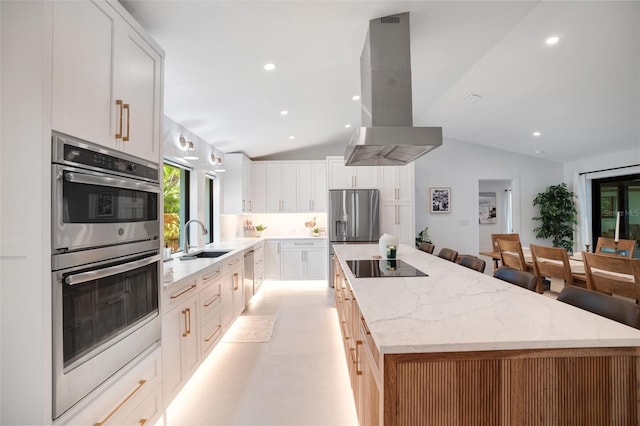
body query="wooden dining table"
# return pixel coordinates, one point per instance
(575, 263)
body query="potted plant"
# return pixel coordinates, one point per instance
(557, 215)
(316, 232)
(423, 237)
(259, 230)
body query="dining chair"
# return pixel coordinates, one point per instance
(550, 262)
(427, 247)
(612, 274)
(473, 262)
(626, 248)
(520, 278)
(511, 254)
(448, 254)
(614, 308)
(507, 237)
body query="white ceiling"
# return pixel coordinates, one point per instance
(582, 94)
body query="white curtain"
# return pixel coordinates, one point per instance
(583, 230)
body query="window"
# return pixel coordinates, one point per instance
(176, 200)
(613, 195)
(208, 206)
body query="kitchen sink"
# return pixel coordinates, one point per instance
(204, 254)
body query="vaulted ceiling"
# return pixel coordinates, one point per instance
(582, 94)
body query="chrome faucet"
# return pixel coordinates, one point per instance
(185, 248)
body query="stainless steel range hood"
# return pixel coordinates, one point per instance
(388, 137)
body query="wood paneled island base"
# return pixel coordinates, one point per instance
(530, 387)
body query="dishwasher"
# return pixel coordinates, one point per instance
(248, 275)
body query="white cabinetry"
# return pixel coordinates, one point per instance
(397, 202)
(237, 184)
(312, 186)
(281, 187)
(258, 266)
(304, 259)
(210, 299)
(258, 187)
(272, 256)
(345, 177)
(180, 337)
(107, 78)
(131, 396)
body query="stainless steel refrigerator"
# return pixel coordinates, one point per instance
(354, 217)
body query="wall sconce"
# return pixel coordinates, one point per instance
(217, 164)
(188, 146)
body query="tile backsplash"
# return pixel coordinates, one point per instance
(278, 224)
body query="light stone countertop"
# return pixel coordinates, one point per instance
(183, 269)
(456, 309)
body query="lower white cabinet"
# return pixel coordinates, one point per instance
(133, 396)
(304, 259)
(180, 344)
(272, 259)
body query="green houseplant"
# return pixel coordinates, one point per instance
(423, 237)
(557, 215)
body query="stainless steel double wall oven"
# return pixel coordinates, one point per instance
(106, 264)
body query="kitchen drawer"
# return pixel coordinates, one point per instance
(304, 243)
(233, 262)
(211, 331)
(210, 275)
(210, 299)
(117, 400)
(178, 292)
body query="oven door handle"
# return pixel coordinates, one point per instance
(111, 270)
(76, 177)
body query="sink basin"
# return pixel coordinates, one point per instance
(204, 254)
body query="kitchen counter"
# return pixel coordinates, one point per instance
(457, 309)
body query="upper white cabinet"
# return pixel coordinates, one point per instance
(237, 184)
(312, 186)
(396, 183)
(107, 78)
(281, 187)
(258, 187)
(345, 177)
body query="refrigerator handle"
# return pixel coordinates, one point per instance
(353, 215)
(357, 214)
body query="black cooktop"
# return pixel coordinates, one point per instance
(383, 268)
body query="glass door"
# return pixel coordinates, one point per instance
(612, 195)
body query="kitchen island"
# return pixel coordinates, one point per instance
(460, 347)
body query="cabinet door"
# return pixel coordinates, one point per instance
(83, 34)
(258, 187)
(312, 187)
(397, 219)
(366, 177)
(274, 187)
(340, 176)
(305, 187)
(227, 300)
(319, 187)
(293, 264)
(246, 184)
(137, 85)
(316, 263)
(272, 251)
(289, 196)
(238, 292)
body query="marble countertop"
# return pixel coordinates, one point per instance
(457, 309)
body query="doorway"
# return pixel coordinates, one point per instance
(495, 209)
(613, 195)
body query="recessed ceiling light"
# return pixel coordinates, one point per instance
(292, 137)
(539, 151)
(270, 67)
(536, 134)
(284, 112)
(356, 97)
(346, 126)
(552, 40)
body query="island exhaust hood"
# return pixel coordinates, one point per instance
(388, 137)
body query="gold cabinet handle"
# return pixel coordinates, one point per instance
(357, 360)
(175, 296)
(124, 401)
(142, 422)
(185, 333)
(126, 138)
(119, 129)
(216, 297)
(235, 281)
(206, 277)
(344, 330)
(189, 320)
(233, 262)
(216, 331)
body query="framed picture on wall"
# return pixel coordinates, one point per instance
(487, 208)
(440, 199)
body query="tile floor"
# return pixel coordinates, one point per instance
(298, 378)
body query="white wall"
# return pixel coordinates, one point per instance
(459, 166)
(613, 160)
(25, 221)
